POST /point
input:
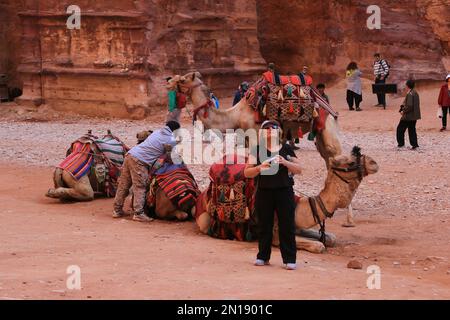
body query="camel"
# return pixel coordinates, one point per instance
(242, 116)
(69, 188)
(345, 175)
(164, 208)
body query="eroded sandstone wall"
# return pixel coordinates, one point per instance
(116, 63)
(10, 40)
(327, 35)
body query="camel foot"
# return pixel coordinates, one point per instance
(349, 225)
(330, 238)
(309, 245)
(182, 216)
(51, 193)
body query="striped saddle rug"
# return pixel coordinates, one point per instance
(79, 161)
(178, 184)
(90, 150)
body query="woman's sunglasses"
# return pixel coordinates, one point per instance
(272, 127)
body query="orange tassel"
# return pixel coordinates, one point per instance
(291, 107)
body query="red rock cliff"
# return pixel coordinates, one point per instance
(327, 35)
(116, 63)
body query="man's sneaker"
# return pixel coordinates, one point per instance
(142, 218)
(291, 266)
(261, 263)
(118, 214)
(443, 129)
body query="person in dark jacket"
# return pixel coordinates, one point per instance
(444, 102)
(410, 111)
(240, 93)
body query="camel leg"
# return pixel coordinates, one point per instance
(166, 210)
(203, 222)
(309, 245)
(350, 223)
(330, 239)
(78, 190)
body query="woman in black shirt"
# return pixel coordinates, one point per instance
(274, 164)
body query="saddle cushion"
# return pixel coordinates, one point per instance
(79, 161)
(178, 184)
(290, 103)
(231, 199)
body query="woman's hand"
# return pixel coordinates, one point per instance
(264, 166)
(279, 159)
(293, 165)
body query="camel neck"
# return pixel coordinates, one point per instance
(198, 97)
(336, 193)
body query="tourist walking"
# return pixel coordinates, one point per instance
(410, 111)
(354, 87)
(444, 102)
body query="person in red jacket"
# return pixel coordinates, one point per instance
(444, 102)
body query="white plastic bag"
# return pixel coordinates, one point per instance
(439, 113)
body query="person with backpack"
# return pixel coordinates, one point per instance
(274, 164)
(381, 69)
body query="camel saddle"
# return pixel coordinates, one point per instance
(290, 98)
(100, 159)
(231, 200)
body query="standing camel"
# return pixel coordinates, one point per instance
(242, 116)
(345, 175)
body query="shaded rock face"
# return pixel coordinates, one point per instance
(117, 62)
(10, 40)
(115, 65)
(327, 35)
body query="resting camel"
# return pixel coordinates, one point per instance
(68, 188)
(164, 208)
(242, 116)
(345, 175)
(87, 169)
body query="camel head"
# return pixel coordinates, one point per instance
(142, 136)
(355, 166)
(347, 172)
(191, 79)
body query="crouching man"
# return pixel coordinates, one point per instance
(135, 170)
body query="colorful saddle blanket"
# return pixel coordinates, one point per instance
(79, 162)
(290, 102)
(286, 98)
(231, 200)
(178, 184)
(100, 158)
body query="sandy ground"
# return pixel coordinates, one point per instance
(402, 216)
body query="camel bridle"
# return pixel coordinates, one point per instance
(187, 90)
(360, 168)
